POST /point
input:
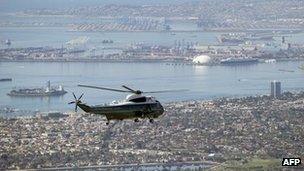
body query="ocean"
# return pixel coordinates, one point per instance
(202, 82)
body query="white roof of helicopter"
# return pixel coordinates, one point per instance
(131, 97)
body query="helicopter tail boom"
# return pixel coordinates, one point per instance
(85, 107)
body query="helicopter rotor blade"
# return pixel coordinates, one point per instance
(76, 107)
(74, 96)
(80, 96)
(128, 88)
(166, 91)
(104, 88)
(72, 102)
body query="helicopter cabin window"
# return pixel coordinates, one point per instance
(140, 99)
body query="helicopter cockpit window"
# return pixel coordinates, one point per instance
(140, 99)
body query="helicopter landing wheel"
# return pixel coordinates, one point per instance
(136, 120)
(151, 120)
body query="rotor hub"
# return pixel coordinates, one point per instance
(138, 92)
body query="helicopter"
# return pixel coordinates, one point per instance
(134, 106)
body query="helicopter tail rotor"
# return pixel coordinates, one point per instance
(76, 101)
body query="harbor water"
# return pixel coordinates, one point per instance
(202, 82)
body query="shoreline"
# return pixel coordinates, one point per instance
(209, 30)
(33, 114)
(142, 61)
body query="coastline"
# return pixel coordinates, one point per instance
(139, 61)
(34, 114)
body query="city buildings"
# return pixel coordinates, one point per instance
(275, 87)
(218, 130)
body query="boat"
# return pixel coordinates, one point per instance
(8, 42)
(107, 41)
(5, 79)
(270, 61)
(286, 70)
(232, 38)
(39, 92)
(236, 61)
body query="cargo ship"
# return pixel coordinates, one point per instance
(39, 92)
(5, 79)
(236, 61)
(238, 38)
(107, 41)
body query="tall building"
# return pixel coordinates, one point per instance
(275, 89)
